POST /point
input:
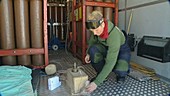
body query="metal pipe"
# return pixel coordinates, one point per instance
(62, 30)
(89, 10)
(50, 12)
(56, 30)
(45, 32)
(99, 8)
(7, 30)
(108, 12)
(116, 13)
(50, 18)
(36, 30)
(22, 29)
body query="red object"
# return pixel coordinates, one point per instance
(70, 36)
(105, 33)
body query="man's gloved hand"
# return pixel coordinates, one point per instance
(87, 58)
(91, 87)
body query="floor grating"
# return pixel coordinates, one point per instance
(131, 87)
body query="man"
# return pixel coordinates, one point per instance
(107, 50)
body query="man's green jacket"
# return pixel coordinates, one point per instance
(114, 41)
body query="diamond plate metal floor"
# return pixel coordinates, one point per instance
(130, 87)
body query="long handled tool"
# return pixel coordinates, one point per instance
(130, 21)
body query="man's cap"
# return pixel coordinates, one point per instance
(95, 15)
(94, 20)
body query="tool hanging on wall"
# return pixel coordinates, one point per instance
(130, 21)
(131, 38)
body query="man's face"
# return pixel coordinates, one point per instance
(98, 31)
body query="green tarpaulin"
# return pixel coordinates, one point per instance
(15, 81)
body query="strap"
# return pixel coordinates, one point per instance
(111, 29)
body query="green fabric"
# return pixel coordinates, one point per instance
(99, 56)
(121, 65)
(15, 81)
(114, 41)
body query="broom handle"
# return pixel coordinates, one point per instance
(130, 20)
